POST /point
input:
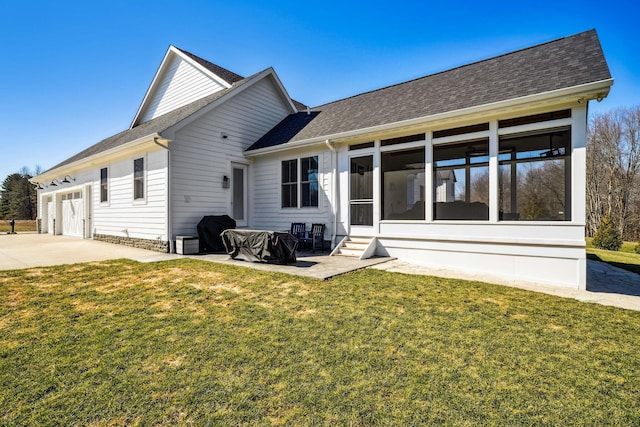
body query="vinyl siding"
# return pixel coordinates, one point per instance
(124, 216)
(200, 157)
(181, 84)
(265, 193)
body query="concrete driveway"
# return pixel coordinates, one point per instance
(25, 250)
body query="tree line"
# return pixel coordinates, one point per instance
(613, 172)
(18, 197)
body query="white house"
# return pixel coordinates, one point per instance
(479, 169)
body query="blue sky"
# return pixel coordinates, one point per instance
(74, 72)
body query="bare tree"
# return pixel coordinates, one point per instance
(613, 170)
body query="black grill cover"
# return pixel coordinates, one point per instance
(259, 246)
(209, 229)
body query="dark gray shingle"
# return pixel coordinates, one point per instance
(562, 63)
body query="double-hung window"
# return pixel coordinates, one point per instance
(299, 187)
(104, 185)
(138, 179)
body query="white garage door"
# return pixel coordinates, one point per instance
(72, 214)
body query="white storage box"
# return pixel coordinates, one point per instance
(187, 245)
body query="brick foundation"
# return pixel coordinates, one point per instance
(151, 245)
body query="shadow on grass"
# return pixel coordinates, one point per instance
(613, 286)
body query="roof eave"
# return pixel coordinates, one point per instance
(102, 157)
(585, 92)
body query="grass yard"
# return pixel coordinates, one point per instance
(625, 258)
(21, 225)
(188, 342)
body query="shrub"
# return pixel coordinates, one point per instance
(607, 237)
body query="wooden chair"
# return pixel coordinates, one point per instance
(316, 237)
(299, 230)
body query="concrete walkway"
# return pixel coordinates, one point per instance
(606, 284)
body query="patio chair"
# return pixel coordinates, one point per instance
(315, 239)
(299, 230)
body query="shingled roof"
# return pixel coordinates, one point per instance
(229, 76)
(562, 63)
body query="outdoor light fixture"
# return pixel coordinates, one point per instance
(67, 179)
(225, 181)
(53, 183)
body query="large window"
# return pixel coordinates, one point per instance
(403, 184)
(535, 173)
(138, 179)
(307, 181)
(104, 185)
(461, 181)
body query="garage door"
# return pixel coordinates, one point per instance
(72, 214)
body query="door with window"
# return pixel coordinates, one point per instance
(361, 195)
(239, 191)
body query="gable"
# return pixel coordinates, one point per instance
(179, 84)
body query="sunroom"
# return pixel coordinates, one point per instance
(496, 193)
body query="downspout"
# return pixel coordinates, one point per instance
(168, 195)
(335, 207)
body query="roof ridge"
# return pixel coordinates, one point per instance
(458, 67)
(222, 72)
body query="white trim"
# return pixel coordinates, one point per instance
(464, 137)
(168, 56)
(582, 93)
(533, 127)
(141, 200)
(108, 201)
(224, 98)
(90, 162)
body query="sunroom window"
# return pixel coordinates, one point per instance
(535, 177)
(461, 181)
(403, 184)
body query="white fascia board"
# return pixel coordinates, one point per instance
(283, 90)
(102, 157)
(174, 51)
(224, 98)
(597, 90)
(201, 68)
(154, 83)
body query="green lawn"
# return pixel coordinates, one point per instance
(187, 342)
(625, 258)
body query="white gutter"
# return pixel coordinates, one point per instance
(167, 193)
(87, 162)
(598, 90)
(335, 207)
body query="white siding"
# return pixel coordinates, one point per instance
(200, 156)
(124, 216)
(181, 84)
(266, 188)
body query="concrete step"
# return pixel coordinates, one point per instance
(350, 252)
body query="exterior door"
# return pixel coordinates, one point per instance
(361, 195)
(239, 191)
(72, 214)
